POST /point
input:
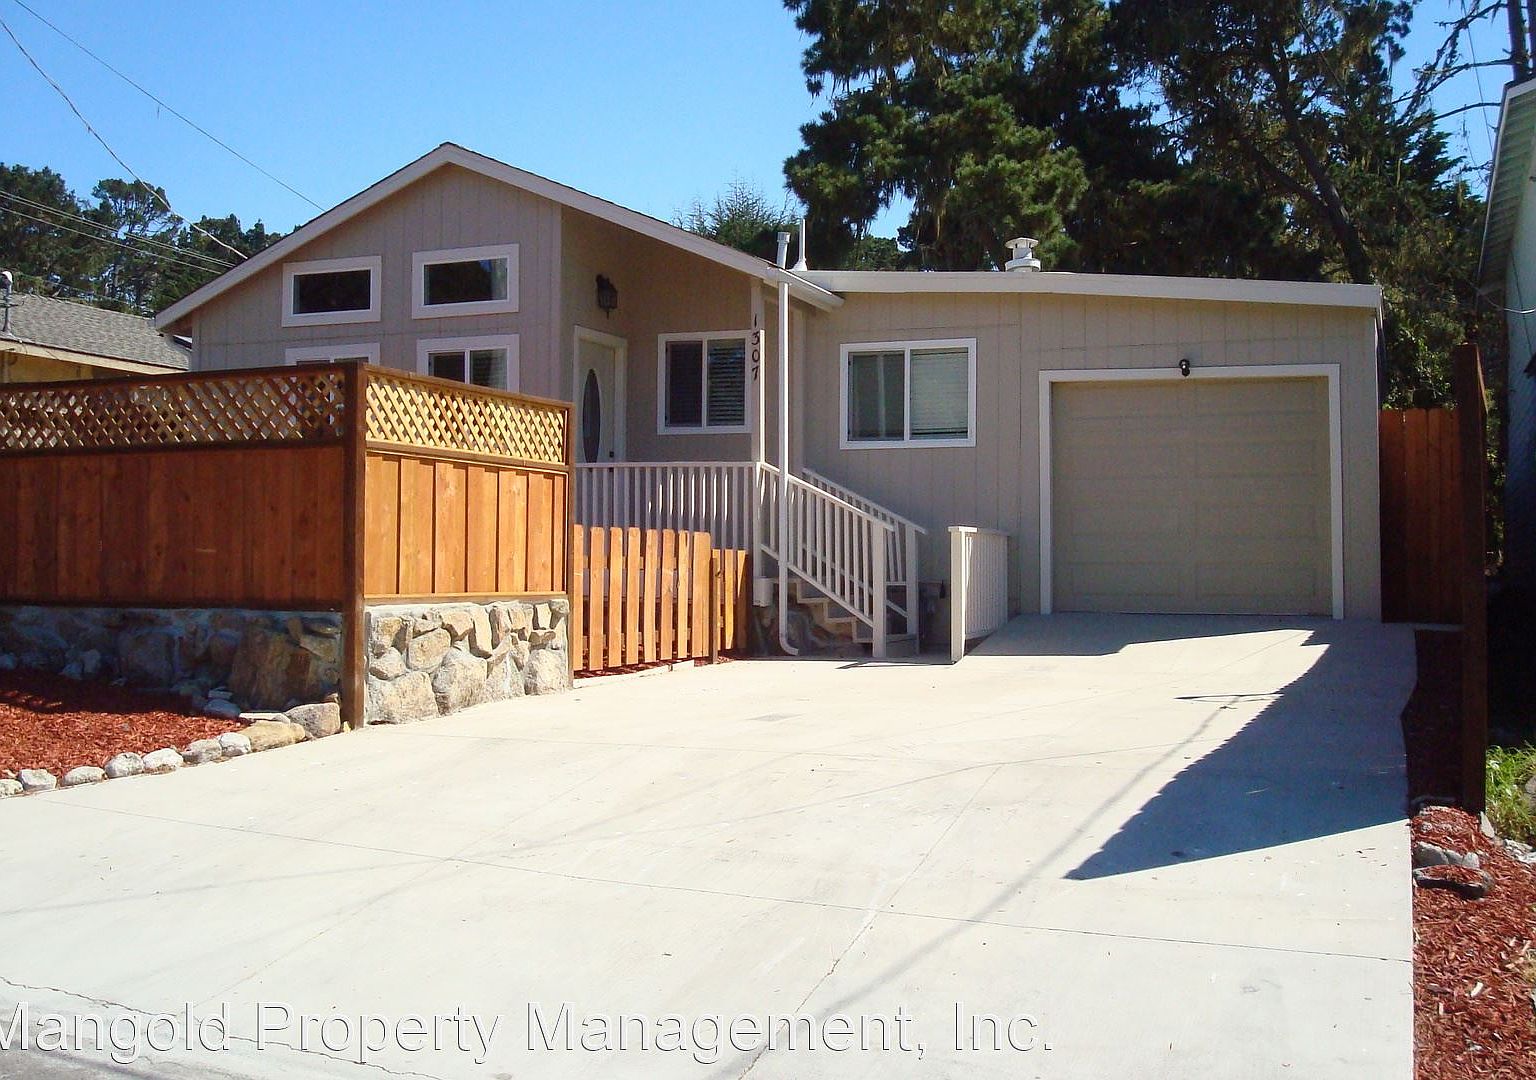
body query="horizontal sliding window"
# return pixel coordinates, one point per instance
(331, 291)
(703, 383)
(367, 352)
(909, 394)
(491, 362)
(464, 281)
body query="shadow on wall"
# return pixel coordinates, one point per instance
(1315, 761)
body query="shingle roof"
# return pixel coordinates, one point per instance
(81, 328)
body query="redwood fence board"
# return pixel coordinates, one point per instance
(1420, 516)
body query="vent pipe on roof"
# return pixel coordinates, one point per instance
(783, 260)
(802, 265)
(6, 282)
(1023, 261)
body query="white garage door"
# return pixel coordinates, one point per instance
(1197, 495)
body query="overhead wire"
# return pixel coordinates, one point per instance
(145, 252)
(39, 207)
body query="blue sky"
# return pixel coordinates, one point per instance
(650, 104)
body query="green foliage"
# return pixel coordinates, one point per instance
(1509, 770)
(742, 218)
(121, 248)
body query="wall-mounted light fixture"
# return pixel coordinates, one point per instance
(607, 295)
(1184, 367)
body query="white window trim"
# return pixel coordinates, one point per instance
(426, 346)
(374, 264)
(705, 336)
(368, 350)
(1330, 372)
(420, 260)
(906, 441)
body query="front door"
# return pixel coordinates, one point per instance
(599, 394)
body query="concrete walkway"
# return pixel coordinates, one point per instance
(1173, 845)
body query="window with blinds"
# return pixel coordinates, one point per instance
(704, 383)
(909, 394)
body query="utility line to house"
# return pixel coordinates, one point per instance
(43, 208)
(148, 253)
(168, 108)
(155, 192)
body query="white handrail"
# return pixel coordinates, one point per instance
(716, 497)
(840, 549)
(978, 585)
(847, 494)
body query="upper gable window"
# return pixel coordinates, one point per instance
(331, 291)
(464, 281)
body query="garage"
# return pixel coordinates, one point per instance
(1209, 494)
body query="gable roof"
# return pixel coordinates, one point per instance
(1506, 189)
(453, 154)
(91, 331)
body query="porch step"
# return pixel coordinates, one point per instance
(833, 620)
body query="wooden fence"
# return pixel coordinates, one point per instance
(1421, 536)
(642, 596)
(300, 488)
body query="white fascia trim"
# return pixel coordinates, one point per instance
(374, 264)
(368, 350)
(452, 154)
(1308, 293)
(425, 347)
(1253, 371)
(1498, 220)
(705, 336)
(906, 442)
(420, 260)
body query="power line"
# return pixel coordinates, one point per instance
(107, 146)
(184, 119)
(148, 253)
(37, 207)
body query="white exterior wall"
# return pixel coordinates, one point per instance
(996, 483)
(1520, 477)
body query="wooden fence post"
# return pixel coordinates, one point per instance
(1467, 376)
(354, 651)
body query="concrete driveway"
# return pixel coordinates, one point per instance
(1150, 847)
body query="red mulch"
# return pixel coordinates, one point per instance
(1461, 1031)
(53, 723)
(1431, 720)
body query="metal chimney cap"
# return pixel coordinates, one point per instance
(1023, 261)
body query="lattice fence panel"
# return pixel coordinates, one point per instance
(302, 405)
(410, 413)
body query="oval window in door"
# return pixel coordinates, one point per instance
(591, 418)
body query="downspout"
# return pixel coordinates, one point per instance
(783, 478)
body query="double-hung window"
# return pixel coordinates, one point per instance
(331, 291)
(464, 281)
(703, 383)
(909, 393)
(480, 361)
(301, 355)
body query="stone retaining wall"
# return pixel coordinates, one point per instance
(428, 660)
(258, 659)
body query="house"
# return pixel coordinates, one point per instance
(1507, 278)
(1147, 444)
(44, 339)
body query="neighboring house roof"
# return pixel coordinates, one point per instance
(1311, 293)
(453, 154)
(1506, 189)
(81, 333)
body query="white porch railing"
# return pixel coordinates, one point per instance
(716, 497)
(978, 585)
(851, 549)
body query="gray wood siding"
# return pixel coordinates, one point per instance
(996, 484)
(449, 208)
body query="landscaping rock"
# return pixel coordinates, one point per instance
(147, 656)
(235, 744)
(318, 720)
(124, 764)
(1426, 854)
(385, 632)
(543, 617)
(202, 751)
(164, 760)
(270, 670)
(427, 650)
(37, 780)
(9, 788)
(458, 622)
(457, 681)
(1425, 878)
(222, 708)
(270, 734)
(401, 700)
(540, 638)
(481, 640)
(547, 673)
(84, 774)
(501, 623)
(502, 680)
(520, 616)
(388, 665)
(426, 623)
(322, 646)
